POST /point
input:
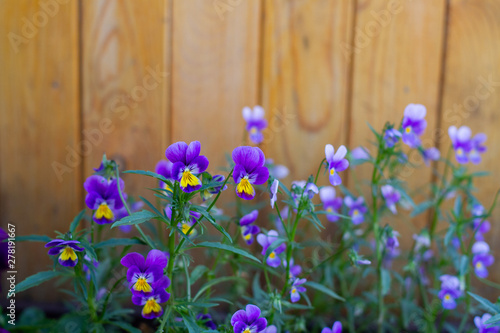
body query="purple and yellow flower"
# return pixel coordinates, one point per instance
(391, 137)
(141, 274)
(331, 203)
(467, 148)
(164, 168)
(296, 289)
(430, 154)
(391, 197)
(265, 241)
(209, 192)
(357, 209)
(274, 192)
(336, 328)
(151, 301)
(185, 224)
(295, 270)
(187, 164)
(248, 230)
(477, 148)
(336, 163)
(450, 291)
(481, 325)
(207, 321)
(249, 170)
(103, 197)
(248, 320)
(481, 259)
(65, 250)
(256, 123)
(414, 124)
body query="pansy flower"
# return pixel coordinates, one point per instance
(481, 259)
(430, 154)
(206, 320)
(391, 197)
(141, 274)
(301, 188)
(331, 203)
(391, 137)
(360, 154)
(248, 320)
(265, 241)
(336, 163)
(296, 289)
(357, 209)
(103, 197)
(164, 168)
(248, 229)
(450, 291)
(414, 124)
(481, 325)
(209, 192)
(187, 164)
(277, 171)
(477, 148)
(270, 329)
(295, 270)
(151, 301)
(481, 226)
(274, 192)
(186, 223)
(65, 250)
(256, 123)
(336, 328)
(249, 170)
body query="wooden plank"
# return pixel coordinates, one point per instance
(126, 84)
(39, 117)
(473, 59)
(214, 72)
(305, 80)
(397, 50)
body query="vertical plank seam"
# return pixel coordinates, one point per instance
(79, 135)
(170, 110)
(440, 96)
(350, 84)
(260, 64)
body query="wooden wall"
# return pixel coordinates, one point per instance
(81, 78)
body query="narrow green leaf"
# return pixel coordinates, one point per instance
(76, 221)
(118, 242)
(88, 249)
(135, 218)
(190, 323)
(386, 281)
(197, 273)
(35, 280)
(149, 174)
(493, 320)
(125, 326)
(213, 282)
(422, 207)
(216, 245)
(487, 304)
(33, 238)
(323, 289)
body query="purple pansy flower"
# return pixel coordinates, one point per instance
(141, 274)
(357, 209)
(336, 328)
(274, 192)
(277, 171)
(249, 170)
(460, 138)
(65, 250)
(391, 196)
(414, 124)
(482, 327)
(392, 241)
(187, 164)
(209, 192)
(164, 168)
(296, 289)
(207, 321)
(336, 163)
(255, 123)
(331, 203)
(363, 262)
(249, 230)
(295, 270)
(186, 224)
(450, 291)
(151, 302)
(298, 188)
(481, 226)
(265, 241)
(4, 250)
(248, 320)
(481, 259)
(477, 148)
(391, 137)
(103, 198)
(270, 329)
(360, 153)
(430, 154)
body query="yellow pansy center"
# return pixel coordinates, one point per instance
(142, 285)
(104, 211)
(247, 331)
(447, 297)
(294, 290)
(247, 236)
(355, 212)
(253, 130)
(272, 255)
(151, 306)
(67, 254)
(188, 179)
(460, 151)
(185, 228)
(408, 129)
(332, 171)
(166, 187)
(244, 186)
(329, 209)
(479, 265)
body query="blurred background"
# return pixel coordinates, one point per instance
(127, 78)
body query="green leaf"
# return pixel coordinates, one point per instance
(88, 249)
(190, 323)
(35, 280)
(487, 304)
(197, 273)
(33, 238)
(213, 282)
(386, 281)
(493, 320)
(325, 290)
(274, 245)
(125, 326)
(205, 214)
(76, 221)
(118, 242)
(464, 265)
(217, 245)
(457, 207)
(422, 207)
(149, 174)
(135, 218)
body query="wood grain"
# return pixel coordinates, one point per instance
(126, 84)
(214, 73)
(39, 118)
(305, 80)
(472, 58)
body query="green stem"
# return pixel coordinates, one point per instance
(350, 315)
(319, 169)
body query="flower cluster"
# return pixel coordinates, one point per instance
(467, 148)
(66, 251)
